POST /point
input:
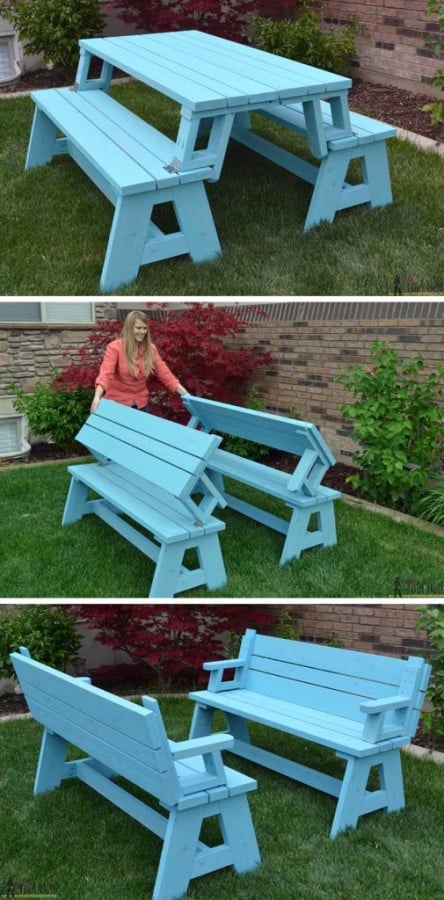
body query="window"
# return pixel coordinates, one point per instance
(9, 68)
(52, 312)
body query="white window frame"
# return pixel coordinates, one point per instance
(51, 313)
(10, 39)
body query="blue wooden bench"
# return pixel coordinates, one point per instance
(363, 706)
(133, 164)
(311, 503)
(331, 190)
(152, 471)
(124, 739)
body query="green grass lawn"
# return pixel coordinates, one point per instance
(259, 212)
(39, 558)
(81, 846)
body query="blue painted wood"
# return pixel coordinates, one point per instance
(363, 706)
(152, 471)
(312, 521)
(124, 739)
(335, 140)
(133, 164)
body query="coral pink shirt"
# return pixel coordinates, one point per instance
(118, 382)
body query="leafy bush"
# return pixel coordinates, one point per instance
(216, 16)
(242, 446)
(436, 42)
(53, 27)
(305, 39)
(431, 505)
(431, 620)
(172, 641)
(56, 414)
(49, 633)
(398, 423)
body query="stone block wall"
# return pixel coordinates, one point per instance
(29, 351)
(312, 341)
(393, 49)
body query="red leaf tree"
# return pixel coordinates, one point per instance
(226, 19)
(193, 344)
(170, 643)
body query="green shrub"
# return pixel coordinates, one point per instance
(242, 446)
(49, 633)
(431, 505)
(431, 620)
(305, 39)
(56, 414)
(436, 42)
(398, 424)
(53, 27)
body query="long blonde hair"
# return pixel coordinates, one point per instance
(130, 344)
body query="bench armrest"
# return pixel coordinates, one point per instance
(217, 669)
(375, 728)
(210, 743)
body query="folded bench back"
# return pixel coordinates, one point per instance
(125, 737)
(168, 456)
(277, 432)
(331, 679)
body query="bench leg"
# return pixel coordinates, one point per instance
(354, 799)
(299, 538)
(202, 721)
(126, 241)
(325, 199)
(42, 140)
(75, 506)
(376, 174)
(211, 561)
(196, 221)
(166, 575)
(178, 853)
(51, 763)
(239, 834)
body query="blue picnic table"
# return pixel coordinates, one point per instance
(217, 83)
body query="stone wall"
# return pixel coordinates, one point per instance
(29, 351)
(393, 49)
(312, 341)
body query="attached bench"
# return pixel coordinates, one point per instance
(133, 164)
(150, 469)
(331, 190)
(124, 739)
(363, 706)
(310, 501)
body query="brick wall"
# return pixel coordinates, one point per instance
(312, 341)
(379, 628)
(393, 49)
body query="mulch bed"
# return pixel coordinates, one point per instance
(390, 104)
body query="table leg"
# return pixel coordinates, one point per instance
(191, 128)
(83, 82)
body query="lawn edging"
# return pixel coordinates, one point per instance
(394, 514)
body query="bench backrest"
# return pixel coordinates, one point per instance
(294, 436)
(331, 679)
(165, 454)
(127, 738)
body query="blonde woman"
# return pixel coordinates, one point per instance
(128, 364)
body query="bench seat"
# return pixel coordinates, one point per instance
(134, 165)
(332, 192)
(151, 471)
(126, 740)
(312, 521)
(363, 706)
